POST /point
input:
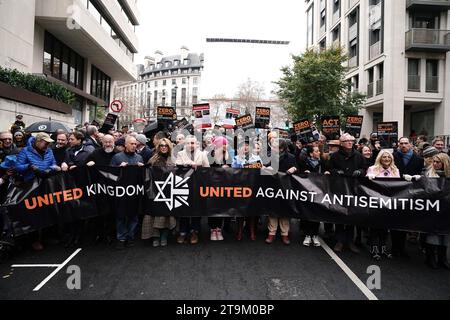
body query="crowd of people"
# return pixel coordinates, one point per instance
(24, 157)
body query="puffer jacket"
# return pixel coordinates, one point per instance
(30, 157)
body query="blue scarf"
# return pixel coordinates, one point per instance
(313, 162)
(406, 156)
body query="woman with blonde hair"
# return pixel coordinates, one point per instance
(438, 244)
(384, 167)
(158, 227)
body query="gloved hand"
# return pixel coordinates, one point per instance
(407, 177)
(340, 172)
(357, 173)
(417, 177)
(371, 176)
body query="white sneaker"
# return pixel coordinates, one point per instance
(219, 234)
(214, 235)
(316, 241)
(307, 241)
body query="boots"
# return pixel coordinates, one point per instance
(431, 256)
(442, 257)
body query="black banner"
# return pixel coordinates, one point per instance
(88, 192)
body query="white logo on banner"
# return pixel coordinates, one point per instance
(179, 191)
(42, 128)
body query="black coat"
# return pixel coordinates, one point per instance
(59, 154)
(79, 159)
(414, 167)
(347, 162)
(287, 161)
(146, 154)
(101, 158)
(305, 165)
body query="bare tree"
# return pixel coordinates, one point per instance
(249, 93)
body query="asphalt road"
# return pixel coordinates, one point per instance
(219, 271)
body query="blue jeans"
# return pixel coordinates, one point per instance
(126, 226)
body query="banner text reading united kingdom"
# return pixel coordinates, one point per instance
(88, 192)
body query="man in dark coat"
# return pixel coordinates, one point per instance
(410, 164)
(102, 157)
(347, 162)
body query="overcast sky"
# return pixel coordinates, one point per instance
(167, 25)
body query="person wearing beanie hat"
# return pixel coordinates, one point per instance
(142, 148)
(19, 139)
(428, 154)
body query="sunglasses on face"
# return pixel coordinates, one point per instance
(163, 146)
(436, 161)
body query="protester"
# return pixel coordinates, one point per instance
(384, 167)
(117, 135)
(286, 165)
(92, 139)
(102, 157)
(436, 246)
(221, 158)
(193, 157)
(126, 216)
(37, 160)
(159, 227)
(60, 148)
(409, 164)
(8, 147)
(142, 148)
(350, 163)
(428, 155)
(241, 160)
(439, 144)
(19, 140)
(77, 154)
(120, 145)
(312, 164)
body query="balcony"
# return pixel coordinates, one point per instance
(414, 83)
(370, 90)
(353, 32)
(433, 5)
(428, 40)
(432, 84)
(375, 50)
(380, 87)
(89, 39)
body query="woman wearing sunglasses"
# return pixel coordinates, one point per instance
(158, 228)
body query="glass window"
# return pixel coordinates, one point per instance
(56, 60)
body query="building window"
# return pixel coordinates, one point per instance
(432, 80)
(185, 62)
(62, 62)
(100, 84)
(323, 44)
(310, 27)
(156, 84)
(194, 95)
(413, 75)
(195, 81)
(174, 97)
(164, 82)
(183, 97)
(174, 82)
(184, 81)
(155, 98)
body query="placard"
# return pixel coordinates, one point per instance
(303, 130)
(202, 115)
(331, 127)
(388, 134)
(245, 122)
(230, 118)
(353, 126)
(262, 118)
(109, 123)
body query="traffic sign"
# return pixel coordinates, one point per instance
(116, 106)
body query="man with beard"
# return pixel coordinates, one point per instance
(102, 157)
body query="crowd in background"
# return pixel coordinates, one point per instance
(24, 157)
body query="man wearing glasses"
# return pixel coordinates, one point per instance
(8, 147)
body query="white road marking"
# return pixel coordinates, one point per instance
(57, 266)
(51, 275)
(369, 294)
(35, 266)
